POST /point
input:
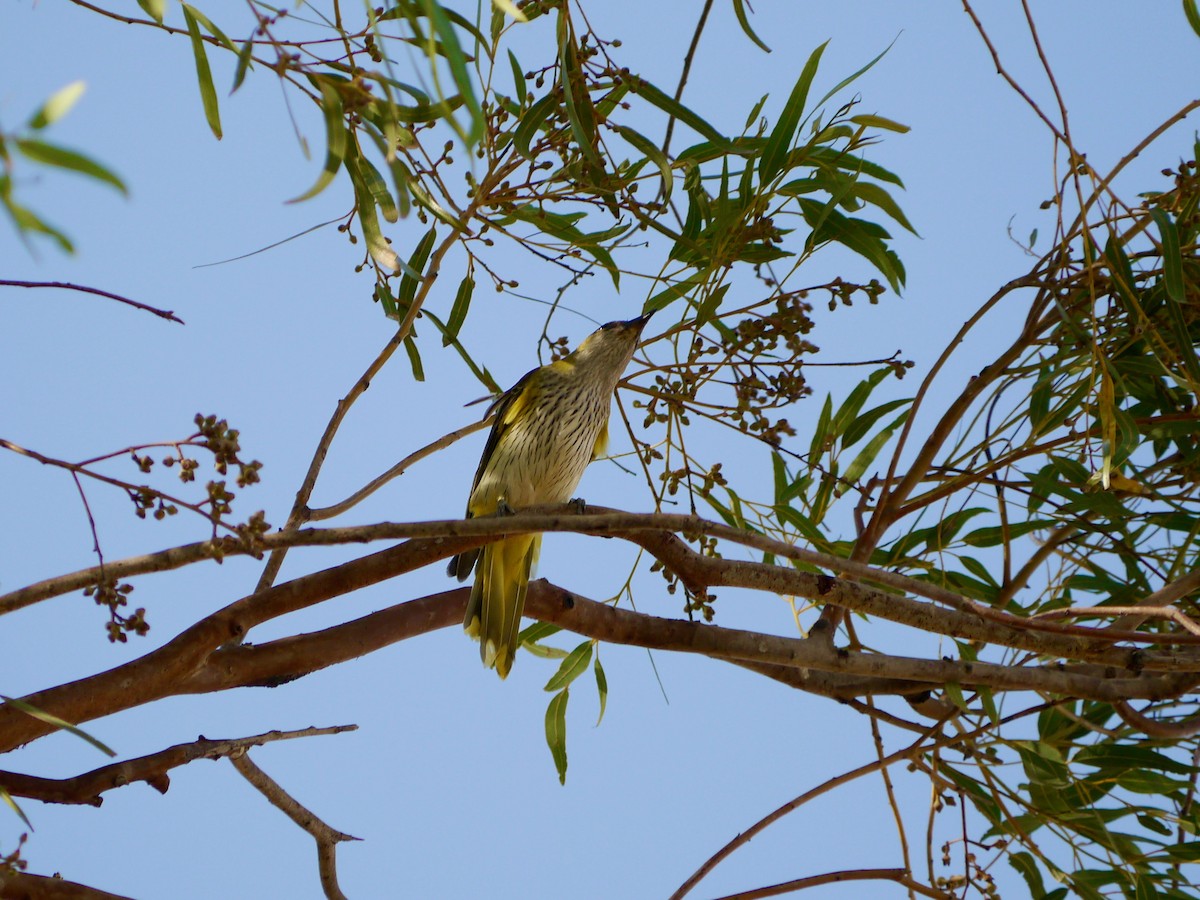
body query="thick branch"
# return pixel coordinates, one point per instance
(23, 886)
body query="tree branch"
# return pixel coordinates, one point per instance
(67, 286)
(327, 838)
(87, 788)
(23, 886)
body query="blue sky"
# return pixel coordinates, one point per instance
(448, 778)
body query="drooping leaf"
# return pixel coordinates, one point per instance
(1171, 257)
(407, 291)
(556, 732)
(458, 312)
(644, 145)
(335, 138)
(61, 157)
(208, 94)
(572, 667)
(739, 10)
(414, 358)
(672, 107)
(601, 687)
(54, 721)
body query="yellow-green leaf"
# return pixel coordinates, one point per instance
(53, 155)
(208, 94)
(335, 135)
(58, 105)
(572, 667)
(556, 732)
(50, 719)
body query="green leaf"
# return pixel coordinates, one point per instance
(863, 237)
(572, 667)
(6, 797)
(518, 79)
(739, 10)
(379, 191)
(872, 121)
(155, 9)
(556, 732)
(387, 301)
(867, 455)
(243, 63)
(407, 291)
(377, 245)
(994, 535)
(414, 358)
(213, 29)
(776, 151)
(644, 145)
(1025, 864)
(1172, 260)
(858, 429)
(208, 94)
(873, 194)
(458, 312)
(854, 402)
(458, 64)
(52, 155)
(1193, 15)
(578, 104)
(42, 716)
(1123, 756)
(335, 139)
(531, 122)
(58, 105)
(601, 687)
(27, 220)
(538, 631)
(671, 107)
(821, 436)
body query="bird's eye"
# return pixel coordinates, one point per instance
(609, 326)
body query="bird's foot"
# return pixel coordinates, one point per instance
(578, 506)
(503, 509)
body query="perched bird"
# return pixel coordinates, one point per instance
(547, 428)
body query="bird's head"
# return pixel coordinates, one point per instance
(611, 346)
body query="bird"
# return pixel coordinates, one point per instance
(546, 429)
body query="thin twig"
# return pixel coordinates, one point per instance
(900, 876)
(687, 68)
(327, 838)
(83, 289)
(1146, 612)
(918, 746)
(329, 512)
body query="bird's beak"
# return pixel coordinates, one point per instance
(640, 321)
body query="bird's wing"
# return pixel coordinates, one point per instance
(506, 408)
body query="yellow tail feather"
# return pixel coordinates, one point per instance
(498, 598)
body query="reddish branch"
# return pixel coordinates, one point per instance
(67, 286)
